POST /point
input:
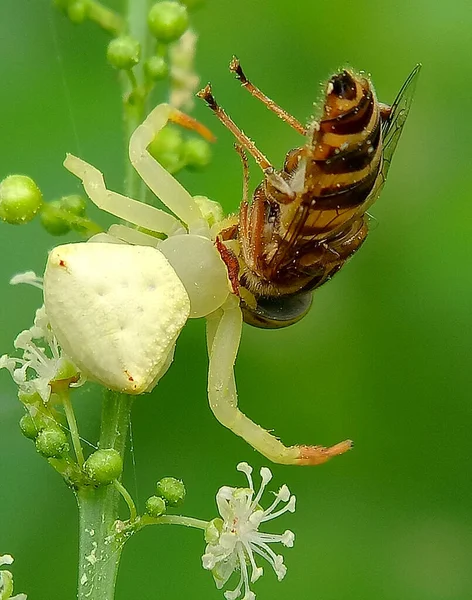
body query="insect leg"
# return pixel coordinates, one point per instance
(223, 337)
(160, 181)
(207, 96)
(235, 67)
(123, 207)
(240, 150)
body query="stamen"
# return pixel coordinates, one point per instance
(288, 537)
(247, 470)
(243, 566)
(256, 571)
(282, 496)
(266, 476)
(290, 507)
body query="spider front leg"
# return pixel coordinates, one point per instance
(160, 181)
(123, 207)
(223, 336)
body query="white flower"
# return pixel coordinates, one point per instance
(6, 581)
(40, 364)
(235, 539)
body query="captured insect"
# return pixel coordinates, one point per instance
(117, 304)
(307, 220)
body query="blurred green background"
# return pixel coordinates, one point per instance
(383, 357)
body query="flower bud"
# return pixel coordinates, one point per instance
(74, 204)
(104, 466)
(155, 506)
(166, 148)
(52, 220)
(31, 426)
(168, 20)
(20, 199)
(51, 442)
(124, 52)
(156, 68)
(196, 154)
(171, 490)
(77, 11)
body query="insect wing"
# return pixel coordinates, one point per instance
(392, 129)
(393, 126)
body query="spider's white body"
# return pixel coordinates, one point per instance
(128, 331)
(128, 309)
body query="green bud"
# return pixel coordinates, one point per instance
(32, 426)
(166, 148)
(51, 442)
(124, 52)
(155, 506)
(104, 466)
(51, 218)
(168, 20)
(74, 204)
(77, 11)
(171, 490)
(67, 370)
(196, 154)
(190, 4)
(213, 531)
(20, 199)
(156, 68)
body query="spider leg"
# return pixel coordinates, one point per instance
(223, 337)
(159, 181)
(133, 236)
(123, 207)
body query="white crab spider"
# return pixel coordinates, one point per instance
(138, 257)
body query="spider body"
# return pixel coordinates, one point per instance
(221, 272)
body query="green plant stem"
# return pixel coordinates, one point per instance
(99, 547)
(104, 17)
(146, 520)
(126, 529)
(127, 498)
(135, 94)
(73, 429)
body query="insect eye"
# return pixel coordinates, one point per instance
(344, 85)
(275, 313)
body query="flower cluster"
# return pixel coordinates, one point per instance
(41, 364)
(234, 539)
